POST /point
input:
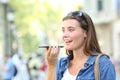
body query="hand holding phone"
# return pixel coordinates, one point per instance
(49, 46)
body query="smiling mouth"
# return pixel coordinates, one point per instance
(67, 42)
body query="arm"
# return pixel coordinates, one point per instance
(107, 69)
(4, 68)
(108, 73)
(52, 57)
(51, 73)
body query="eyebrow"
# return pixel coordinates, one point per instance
(68, 27)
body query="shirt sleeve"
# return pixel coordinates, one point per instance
(107, 70)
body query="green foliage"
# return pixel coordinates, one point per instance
(32, 17)
(79, 7)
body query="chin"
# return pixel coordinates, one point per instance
(68, 48)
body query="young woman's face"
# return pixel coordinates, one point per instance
(73, 34)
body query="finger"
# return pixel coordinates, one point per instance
(52, 50)
(56, 51)
(48, 51)
(47, 48)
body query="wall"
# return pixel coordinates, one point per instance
(116, 39)
(104, 37)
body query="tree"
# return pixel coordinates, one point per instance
(32, 17)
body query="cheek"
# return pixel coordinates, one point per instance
(79, 38)
(78, 35)
(62, 37)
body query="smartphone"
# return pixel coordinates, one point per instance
(48, 46)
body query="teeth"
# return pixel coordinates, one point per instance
(68, 41)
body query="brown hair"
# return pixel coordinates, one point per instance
(91, 45)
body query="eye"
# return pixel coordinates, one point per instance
(71, 29)
(63, 30)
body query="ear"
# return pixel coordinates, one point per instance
(85, 33)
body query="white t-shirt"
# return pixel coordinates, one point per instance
(68, 76)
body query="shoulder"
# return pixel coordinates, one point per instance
(106, 65)
(10, 62)
(62, 62)
(107, 68)
(105, 61)
(63, 59)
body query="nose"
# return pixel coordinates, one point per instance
(65, 34)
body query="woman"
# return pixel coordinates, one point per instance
(81, 47)
(8, 69)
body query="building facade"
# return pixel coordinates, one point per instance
(106, 16)
(1, 30)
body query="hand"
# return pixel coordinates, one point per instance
(52, 55)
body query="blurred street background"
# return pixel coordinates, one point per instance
(27, 24)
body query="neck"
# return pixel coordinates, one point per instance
(79, 55)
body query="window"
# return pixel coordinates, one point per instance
(100, 5)
(118, 7)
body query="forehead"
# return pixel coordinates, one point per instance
(70, 22)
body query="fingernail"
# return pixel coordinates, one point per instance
(47, 48)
